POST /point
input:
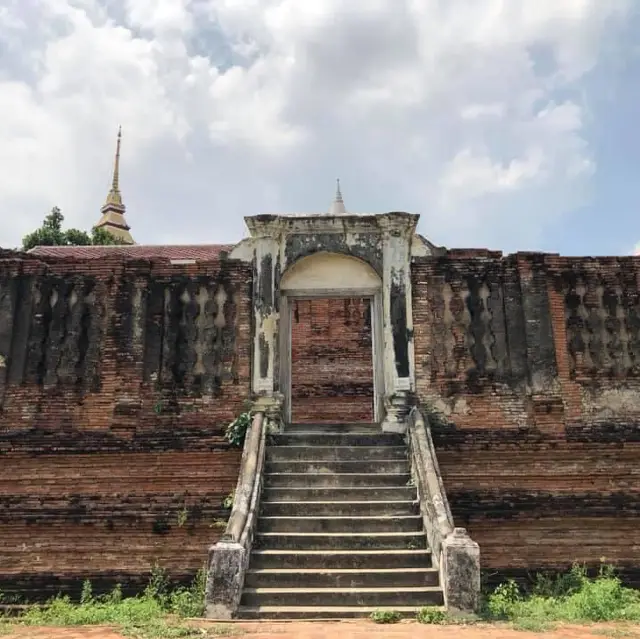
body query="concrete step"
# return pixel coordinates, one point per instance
(339, 541)
(335, 453)
(343, 480)
(381, 466)
(412, 523)
(394, 493)
(423, 596)
(290, 613)
(337, 439)
(340, 559)
(341, 578)
(333, 428)
(339, 508)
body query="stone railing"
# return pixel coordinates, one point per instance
(229, 558)
(454, 553)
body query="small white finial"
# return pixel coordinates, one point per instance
(337, 206)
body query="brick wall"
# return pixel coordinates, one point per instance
(332, 361)
(117, 380)
(529, 367)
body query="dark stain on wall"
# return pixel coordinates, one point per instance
(365, 246)
(399, 326)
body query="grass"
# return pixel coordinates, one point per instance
(156, 613)
(570, 598)
(161, 613)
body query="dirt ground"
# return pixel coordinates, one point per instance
(357, 630)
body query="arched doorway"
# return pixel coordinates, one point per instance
(330, 340)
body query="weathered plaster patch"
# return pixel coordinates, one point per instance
(329, 271)
(244, 250)
(455, 406)
(610, 402)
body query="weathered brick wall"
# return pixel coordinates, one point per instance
(530, 368)
(331, 361)
(117, 380)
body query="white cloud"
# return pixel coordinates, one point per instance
(466, 110)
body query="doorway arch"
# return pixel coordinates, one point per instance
(330, 276)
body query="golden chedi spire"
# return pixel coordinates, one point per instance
(113, 210)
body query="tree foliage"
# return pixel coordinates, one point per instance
(51, 233)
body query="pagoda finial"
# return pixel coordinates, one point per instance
(112, 219)
(337, 206)
(114, 197)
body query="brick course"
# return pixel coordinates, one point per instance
(332, 360)
(119, 379)
(529, 368)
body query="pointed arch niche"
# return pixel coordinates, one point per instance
(331, 275)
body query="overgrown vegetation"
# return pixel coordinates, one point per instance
(237, 429)
(385, 616)
(227, 502)
(431, 615)
(573, 597)
(159, 612)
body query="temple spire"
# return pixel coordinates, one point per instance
(337, 206)
(113, 210)
(114, 196)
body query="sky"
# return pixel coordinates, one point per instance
(507, 124)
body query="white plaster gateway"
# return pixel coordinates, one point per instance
(334, 275)
(335, 255)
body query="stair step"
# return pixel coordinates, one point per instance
(333, 428)
(338, 439)
(341, 578)
(335, 453)
(283, 613)
(340, 541)
(411, 523)
(339, 508)
(423, 596)
(381, 466)
(394, 493)
(339, 532)
(342, 480)
(340, 559)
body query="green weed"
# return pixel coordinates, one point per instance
(573, 598)
(431, 615)
(237, 429)
(227, 502)
(385, 616)
(157, 613)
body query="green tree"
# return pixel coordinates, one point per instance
(51, 233)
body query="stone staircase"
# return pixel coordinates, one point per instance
(339, 532)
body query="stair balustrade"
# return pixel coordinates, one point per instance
(455, 554)
(229, 558)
